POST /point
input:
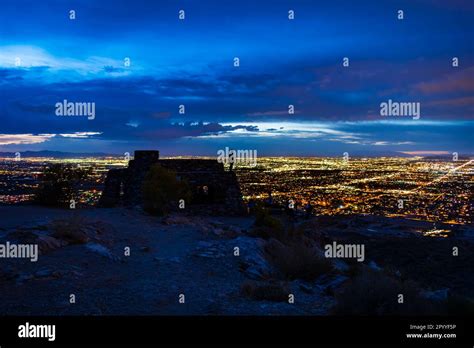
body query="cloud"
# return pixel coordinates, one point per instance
(365, 133)
(200, 129)
(386, 143)
(28, 139)
(319, 91)
(33, 58)
(296, 130)
(425, 152)
(454, 102)
(271, 113)
(455, 82)
(10, 139)
(80, 135)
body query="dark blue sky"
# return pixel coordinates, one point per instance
(282, 62)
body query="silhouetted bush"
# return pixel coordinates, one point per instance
(459, 305)
(375, 293)
(162, 190)
(266, 226)
(58, 185)
(276, 291)
(297, 258)
(70, 230)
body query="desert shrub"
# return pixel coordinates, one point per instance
(298, 231)
(266, 226)
(375, 293)
(162, 190)
(70, 230)
(297, 258)
(459, 305)
(58, 185)
(265, 291)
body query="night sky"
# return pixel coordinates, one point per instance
(282, 62)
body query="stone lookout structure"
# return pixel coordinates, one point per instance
(214, 190)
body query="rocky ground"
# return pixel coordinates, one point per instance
(195, 256)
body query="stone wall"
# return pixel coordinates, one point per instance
(111, 195)
(214, 190)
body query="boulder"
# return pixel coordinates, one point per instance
(253, 262)
(48, 243)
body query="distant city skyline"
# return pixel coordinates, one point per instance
(138, 62)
